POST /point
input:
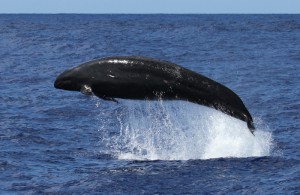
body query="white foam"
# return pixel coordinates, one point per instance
(177, 130)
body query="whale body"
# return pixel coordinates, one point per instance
(151, 79)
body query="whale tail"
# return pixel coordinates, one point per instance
(251, 126)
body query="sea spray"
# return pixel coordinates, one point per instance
(175, 130)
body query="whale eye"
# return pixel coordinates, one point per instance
(86, 90)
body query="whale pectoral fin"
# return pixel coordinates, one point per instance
(86, 90)
(110, 99)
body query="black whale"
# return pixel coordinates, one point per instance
(145, 78)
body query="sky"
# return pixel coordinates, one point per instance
(151, 6)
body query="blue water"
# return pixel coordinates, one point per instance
(54, 141)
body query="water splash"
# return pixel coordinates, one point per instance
(176, 130)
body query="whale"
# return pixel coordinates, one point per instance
(142, 78)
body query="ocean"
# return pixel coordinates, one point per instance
(61, 142)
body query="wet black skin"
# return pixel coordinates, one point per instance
(146, 78)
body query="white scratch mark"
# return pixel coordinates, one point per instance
(120, 61)
(112, 76)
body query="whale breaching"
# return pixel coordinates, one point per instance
(151, 79)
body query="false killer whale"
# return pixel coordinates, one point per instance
(145, 78)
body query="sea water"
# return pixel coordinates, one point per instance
(54, 141)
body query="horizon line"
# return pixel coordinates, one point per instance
(84, 13)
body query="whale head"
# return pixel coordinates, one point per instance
(74, 80)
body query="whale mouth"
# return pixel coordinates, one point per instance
(65, 84)
(62, 84)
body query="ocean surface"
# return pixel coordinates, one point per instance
(61, 142)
